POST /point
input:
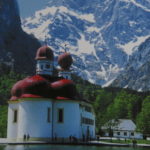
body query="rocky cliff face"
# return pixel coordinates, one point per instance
(17, 49)
(137, 72)
(100, 34)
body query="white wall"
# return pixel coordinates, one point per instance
(42, 69)
(33, 119)
(71, 123)
(12, 127)
(83, 127)
(121, 134)
(136, 135)
(65, 74)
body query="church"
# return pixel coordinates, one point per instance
(47, 106)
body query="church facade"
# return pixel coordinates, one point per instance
(47, 106)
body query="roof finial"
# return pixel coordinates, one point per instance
(65, 48)
(46, 40)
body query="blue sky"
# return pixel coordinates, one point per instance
(28, 7)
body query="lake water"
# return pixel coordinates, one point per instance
(64, 147)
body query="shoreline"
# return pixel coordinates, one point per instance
(90, 143)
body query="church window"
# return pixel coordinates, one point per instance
(41, 66)
(15, 117)
(48, 114)
(87, 121)
(60, 115)
(125, 133)
(132, 133)
(47, 66)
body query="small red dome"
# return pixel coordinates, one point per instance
(65, 60)
(35, 86)
(44, 52)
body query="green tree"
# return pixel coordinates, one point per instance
(103, 100)
(3, 121)
(133, 106)
(120, 105)
(125, 106)
(6, 83)
(143, 119)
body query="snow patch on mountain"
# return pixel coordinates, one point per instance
(40, 31)
(87, 17)
(93, 29)
(85, 47)
(130, 47)
(62, 9)
(137, 4)
(108, 83)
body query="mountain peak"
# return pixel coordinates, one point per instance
(99, 34)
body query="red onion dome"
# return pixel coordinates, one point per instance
(65, 60)
(44, 52)
(32, 87)
(16, 90)
(64, 88)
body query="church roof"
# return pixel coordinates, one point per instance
(46, 86)
(38, 86)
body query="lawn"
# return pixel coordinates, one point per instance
(129, 141)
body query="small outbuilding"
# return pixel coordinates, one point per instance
(121, 128)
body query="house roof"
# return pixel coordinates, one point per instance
(120, 124)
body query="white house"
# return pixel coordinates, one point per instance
(46, 107)
(121, 128)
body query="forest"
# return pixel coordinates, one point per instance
(108, 103)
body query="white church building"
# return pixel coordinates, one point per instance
(47, 106)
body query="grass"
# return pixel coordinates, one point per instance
(129, 141)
